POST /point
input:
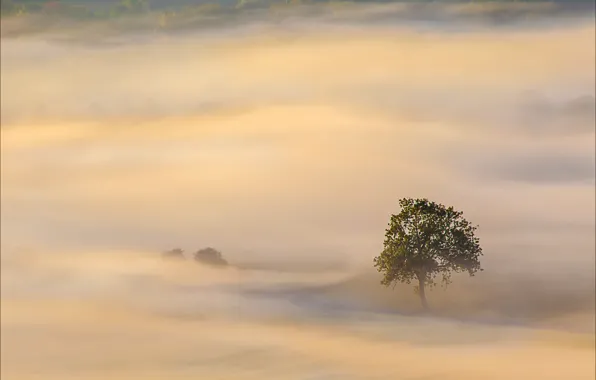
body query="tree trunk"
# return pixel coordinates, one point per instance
(421, 293)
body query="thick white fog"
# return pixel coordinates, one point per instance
(288, 149)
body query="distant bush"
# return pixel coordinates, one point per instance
(210, 256)
(175, 253)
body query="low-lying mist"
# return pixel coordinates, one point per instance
(288, 149)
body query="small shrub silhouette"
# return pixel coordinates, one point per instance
(210, 256)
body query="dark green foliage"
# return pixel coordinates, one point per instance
(427, 240)
(210, 256)
(132, 6)
(9, 8)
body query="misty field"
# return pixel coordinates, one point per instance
(287, 145)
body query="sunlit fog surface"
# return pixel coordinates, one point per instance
(287, 148)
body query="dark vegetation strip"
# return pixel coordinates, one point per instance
(107, 9)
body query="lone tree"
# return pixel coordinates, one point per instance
(426, 240)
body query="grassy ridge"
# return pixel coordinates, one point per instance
(34, 16)
(118, 8)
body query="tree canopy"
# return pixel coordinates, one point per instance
(426, 240)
